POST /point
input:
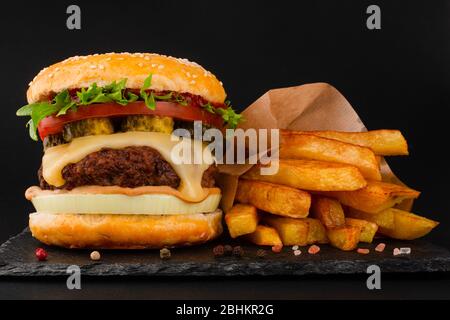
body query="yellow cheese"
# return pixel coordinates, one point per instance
(56, 158)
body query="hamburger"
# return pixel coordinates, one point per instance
(108, 177)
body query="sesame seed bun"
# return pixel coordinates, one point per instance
(110, 231)
(169, 73)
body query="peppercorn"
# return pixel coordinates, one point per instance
(277, 248)
(228, 250)
(218, 251)
(261, 253)
(41, 254)
(238, 251)
(164, 253)
(95, 255)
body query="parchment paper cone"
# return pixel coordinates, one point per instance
(315, 106)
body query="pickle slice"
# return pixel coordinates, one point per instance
(87, 127)
(53, 140)
(148, 123)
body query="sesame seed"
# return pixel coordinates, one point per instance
(50, 75)
(92, 66)
(396, 251)
(188, 74)
(109, 58)
(294, 247)
(120, 58)
(154, 65)
(297, 252)
(101, 67)
(57, 69)
(221, 83)
(30, 83)
(161, 66)
(147, 58)
(194, 76)
(140, 64)
(192, 82)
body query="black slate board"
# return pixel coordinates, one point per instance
(17, 259)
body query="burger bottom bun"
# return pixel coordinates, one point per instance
(112, 231)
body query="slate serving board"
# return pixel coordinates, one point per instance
(17, 259)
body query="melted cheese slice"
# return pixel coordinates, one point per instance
(56, 158)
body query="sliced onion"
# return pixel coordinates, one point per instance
(152, 204)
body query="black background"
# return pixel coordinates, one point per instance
(396, 77)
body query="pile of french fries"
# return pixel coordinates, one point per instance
(328, 189)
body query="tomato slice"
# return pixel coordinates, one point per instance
(53, 124)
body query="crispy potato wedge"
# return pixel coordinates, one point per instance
(292, 231)
(274, 198)
(345, 238)
(368, 229)
(264, 236)
(328, 211)
(312, 175)
(375, 197)
(408, 226)
(382, 142)
(316, 232)
(241, 219)
(383, 219)
(310, 147)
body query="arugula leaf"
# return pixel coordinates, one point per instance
(132, 97)
(32, 130)
(229, 116)
(209, 107)
(25, 111)
(149, 99)
(164, 97)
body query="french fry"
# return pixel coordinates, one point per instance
(382, 142)
(241, 219)
(368, 229)
(345, 238)
(374, 197)
(273, 198)
(312, 175)
(292, 231)
(328, 211)
(310, 147)
(383, 219)
(264, 236)
(408, 226)
(316, 231)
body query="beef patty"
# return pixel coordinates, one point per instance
(129, 167)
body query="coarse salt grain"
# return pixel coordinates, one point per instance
(294, 247)
(405, 250)
(297, 252)
(363, 251)
(313, 249)
(380, 247)
(396, 251)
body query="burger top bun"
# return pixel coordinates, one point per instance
(168, 73)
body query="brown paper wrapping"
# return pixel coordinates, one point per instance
(315, 106)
